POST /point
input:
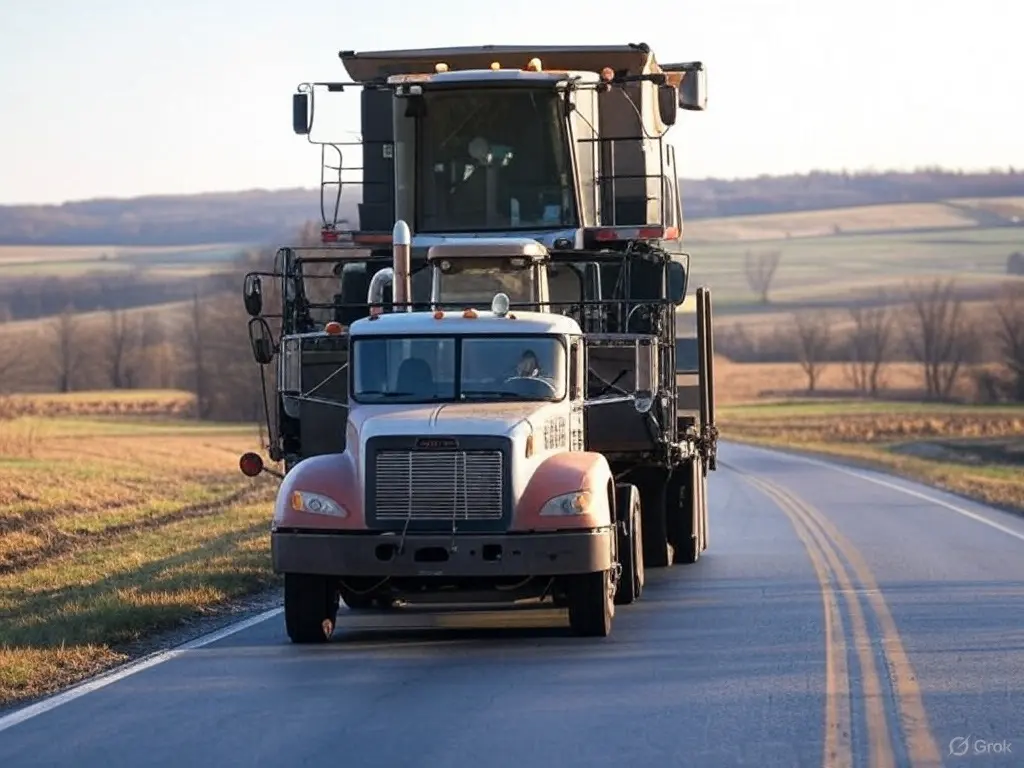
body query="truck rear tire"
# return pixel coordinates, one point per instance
(310, 607)
(591, 606)
(631, 548)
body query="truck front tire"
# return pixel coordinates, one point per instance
(591, 606)
(310, 607)
(631, 549)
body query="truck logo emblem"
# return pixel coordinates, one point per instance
(437, 443)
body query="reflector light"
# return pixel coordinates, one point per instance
(333, 328)
(439, 315)
(251, 464)
(469, 313)
(607, 74)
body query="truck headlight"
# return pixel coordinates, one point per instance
(575, 503)
(317, 504)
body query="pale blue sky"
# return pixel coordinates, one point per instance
(127, 97)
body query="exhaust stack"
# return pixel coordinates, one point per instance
(397, 275)
(401, 240)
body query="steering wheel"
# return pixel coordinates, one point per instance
(549, 388)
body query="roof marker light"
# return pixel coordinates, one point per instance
(607, 74)
(495, 65)
(469, 313)
(534, 65)
(333, 328)
(438, 315)
(440, 67)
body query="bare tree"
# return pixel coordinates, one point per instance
(870, 344)
(938, 335)
(813, 336)
(1009, 332)
(123, 344)
(195, 345)
(67, 355)
(760, 269)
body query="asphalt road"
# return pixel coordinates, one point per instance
(919, 659)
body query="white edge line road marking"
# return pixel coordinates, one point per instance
(896, 487)
(119, 673)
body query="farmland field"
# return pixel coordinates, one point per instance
(115, 526)
(971, 450)
(838, 267)
(71, 261)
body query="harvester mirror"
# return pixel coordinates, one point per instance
(646, 374)
(261, 341)
(252, 294)
(300, 113)
(668, 103)
(693, 90)
(676, 288)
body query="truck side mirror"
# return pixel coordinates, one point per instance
(300, 113)
(252, 295)
(693, 90)
(676, 288)
(646, 374)
(261, 341)
(668, 103)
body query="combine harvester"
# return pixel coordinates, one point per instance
(477, 390)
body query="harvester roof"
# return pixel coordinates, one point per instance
(376, 65)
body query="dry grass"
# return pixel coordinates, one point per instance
(974, 451)
(112, 528)
(131, 402)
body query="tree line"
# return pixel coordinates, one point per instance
(927, 323)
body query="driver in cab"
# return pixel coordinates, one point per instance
(528, 366)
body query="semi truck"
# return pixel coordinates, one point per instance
(482, 391)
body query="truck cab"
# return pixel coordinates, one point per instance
(463, 474)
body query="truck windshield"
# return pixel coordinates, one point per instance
(423, 369)
(493, 160)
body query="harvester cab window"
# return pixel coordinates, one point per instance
(493, 159)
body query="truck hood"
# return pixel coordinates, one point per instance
(446, 419)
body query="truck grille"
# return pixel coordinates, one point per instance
(439, 485)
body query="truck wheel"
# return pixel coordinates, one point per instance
(591, 606)
(310, 607)
(687, 551)
(631, 548)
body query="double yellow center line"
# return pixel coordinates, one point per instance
(825, 544)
